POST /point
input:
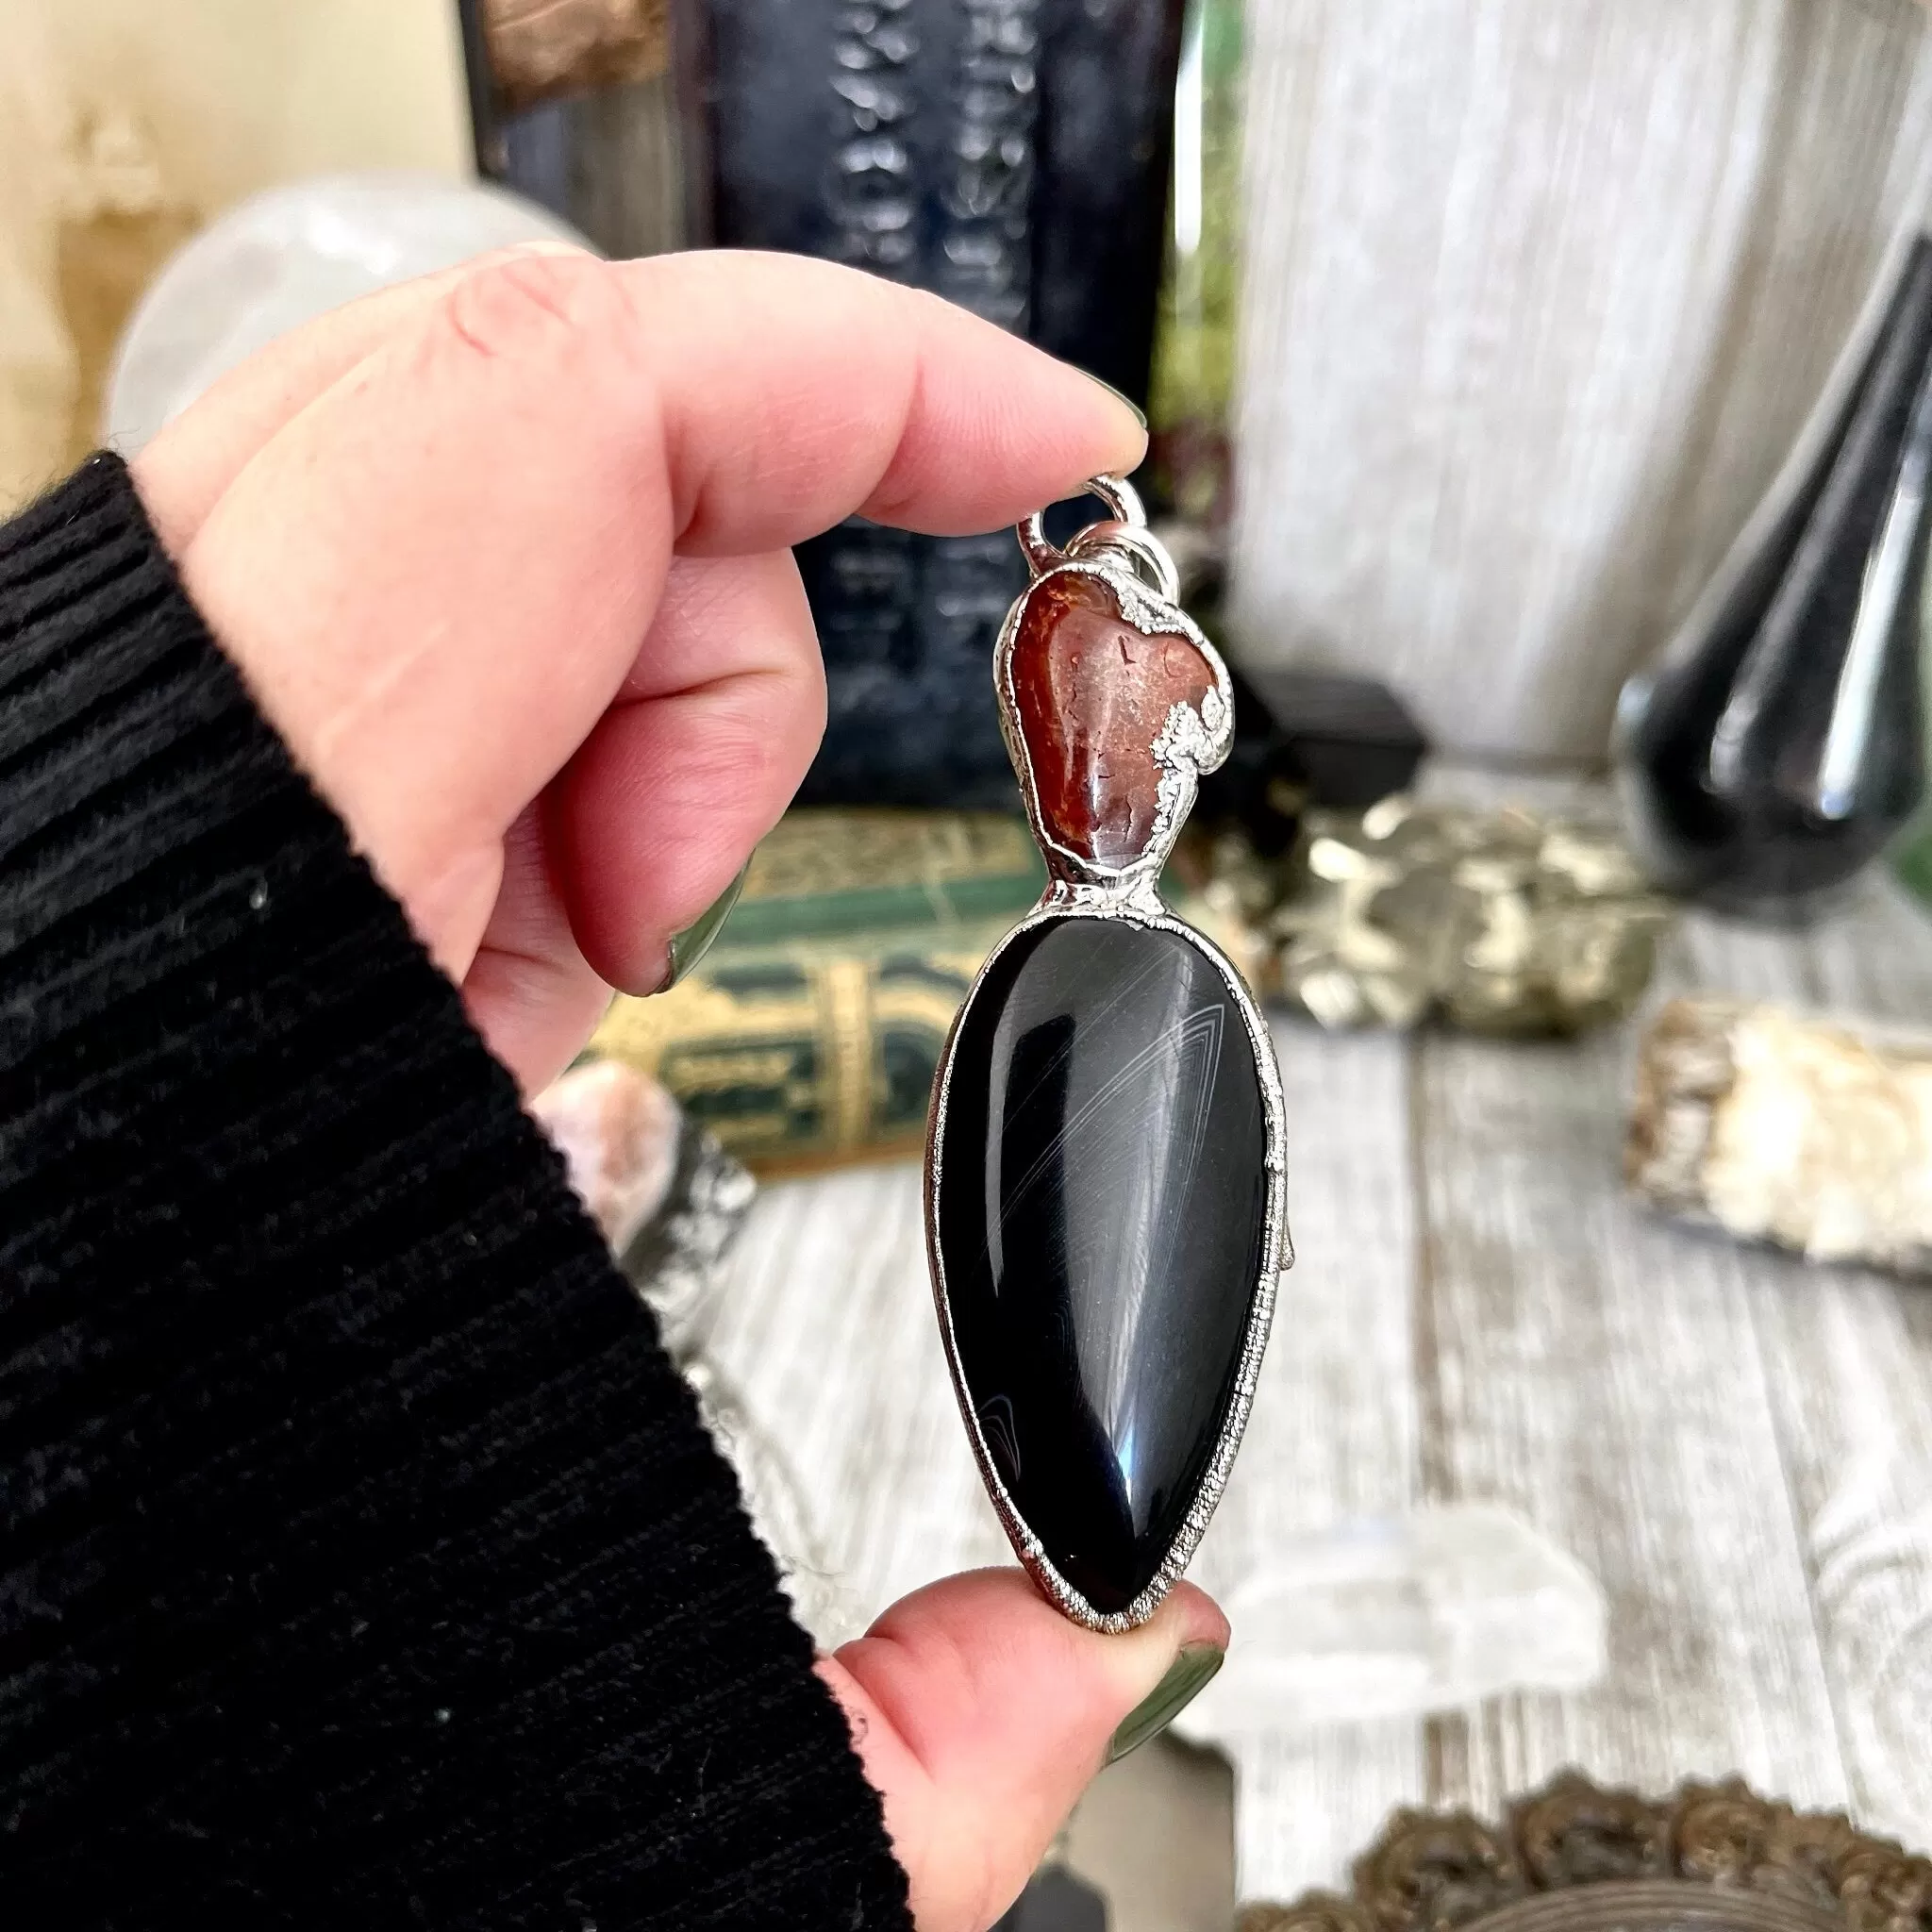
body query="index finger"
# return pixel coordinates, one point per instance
(806, 394)
(735, 319)
(437, 573)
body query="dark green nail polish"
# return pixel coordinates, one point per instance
(1140, 415)
(690, 945)
(1187, 1677)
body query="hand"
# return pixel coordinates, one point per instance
(503, 555)
(981, 1714)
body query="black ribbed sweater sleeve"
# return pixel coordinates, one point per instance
(362, 1558)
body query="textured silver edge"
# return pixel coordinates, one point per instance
(1277, 1255)
(1084, 882)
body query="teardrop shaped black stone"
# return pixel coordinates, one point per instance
(1101, 1218)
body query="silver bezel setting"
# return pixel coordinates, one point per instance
(1187, 744)
(1078, 888)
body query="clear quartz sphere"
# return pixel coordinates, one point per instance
(284, 256)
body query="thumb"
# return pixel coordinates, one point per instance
(980, 1713)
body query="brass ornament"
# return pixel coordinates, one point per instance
(540, 49)
(1575, 1855)
(1501, 921)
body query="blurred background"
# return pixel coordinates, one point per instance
(1536, 298)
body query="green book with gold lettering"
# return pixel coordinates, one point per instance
(811, 1032)
(834, 873)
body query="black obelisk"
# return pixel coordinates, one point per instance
(1009, 155)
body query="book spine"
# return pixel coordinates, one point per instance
(815, 1051)
(801, 1056)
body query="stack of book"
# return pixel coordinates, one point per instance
(810, 1033)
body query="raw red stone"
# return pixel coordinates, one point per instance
(1093, 693)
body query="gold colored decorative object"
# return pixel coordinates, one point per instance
(540, 49)
(807, 1052)
(809, 1034)
(1811, 1133)
(826, 869)
(1575, 1857)
(1507, 922)
(799, 1055)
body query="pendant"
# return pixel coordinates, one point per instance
(1104, 1184)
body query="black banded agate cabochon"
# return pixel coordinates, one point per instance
(1102, 1222)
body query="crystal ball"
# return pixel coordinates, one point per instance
(286, 256)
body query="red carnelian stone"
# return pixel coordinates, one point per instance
(1093, 694)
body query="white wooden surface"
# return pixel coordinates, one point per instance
(1737, 1445)
(1536, 296)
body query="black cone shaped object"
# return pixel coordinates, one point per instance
(1779, 743)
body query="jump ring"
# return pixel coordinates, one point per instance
(1141, 547)
(1115, 491)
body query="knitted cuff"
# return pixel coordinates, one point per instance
(362, 1558)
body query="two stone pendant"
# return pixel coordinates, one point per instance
(1103, 1165)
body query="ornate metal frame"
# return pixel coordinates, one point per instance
(1187, 745)
(1576, 1854)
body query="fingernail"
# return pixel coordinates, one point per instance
(690, 945)
(1140, 415)
(1186, 1677)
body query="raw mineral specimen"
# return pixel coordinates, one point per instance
(1809, 1132)
(1099, 692)
(618, 1133)
(1395, 1616)
(1507, 921)
(663, 1194)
